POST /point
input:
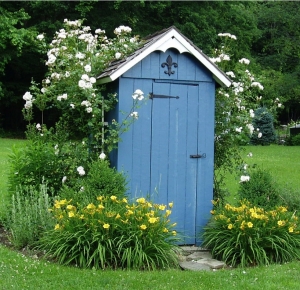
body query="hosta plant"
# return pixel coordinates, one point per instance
(247, 235)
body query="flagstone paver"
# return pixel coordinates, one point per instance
(198, 259)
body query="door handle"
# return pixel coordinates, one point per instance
(198, 155)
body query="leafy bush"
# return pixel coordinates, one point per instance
(293, 140)
(247, 235)
(290, 198)
(263, 124)
(100, 179)
(261, 189)
(29, 216)
(42, 159)
(112, 233)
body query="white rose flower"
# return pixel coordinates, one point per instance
(135, 115)
(40, 37)
(244, 178)
(27, 96)
(80, 170)
(92, 80)
(82, 84)
(87, 68)
(102, 156)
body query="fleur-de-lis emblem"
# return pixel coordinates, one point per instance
(169, 62)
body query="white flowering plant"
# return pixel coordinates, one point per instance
(75, 58)
(235, 110)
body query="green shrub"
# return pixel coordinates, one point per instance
(28, 215)
(112, 233)
(100, 179)
(264, 131)
(290, 198)
(293, 140)
(261, 189)
(248, 236)
(44, 160)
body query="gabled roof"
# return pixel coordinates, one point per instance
(162, 40)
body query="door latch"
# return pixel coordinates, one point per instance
(198, 155)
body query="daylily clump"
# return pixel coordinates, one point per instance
(112, 232)
(250, 235)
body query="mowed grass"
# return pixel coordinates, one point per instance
(21, 272)
(283, 162)
(5, 150)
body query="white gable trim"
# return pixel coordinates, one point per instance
(172, 39)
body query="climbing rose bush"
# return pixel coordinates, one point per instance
(113, 233)
(75, 58)
(235, 110)
(247, 235)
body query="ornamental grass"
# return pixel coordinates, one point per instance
(112, 233)
(246, 235)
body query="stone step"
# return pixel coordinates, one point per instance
(196, 259)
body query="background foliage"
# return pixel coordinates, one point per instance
(265, 30)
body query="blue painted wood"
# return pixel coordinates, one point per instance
(155, 152)
(188, 69)
(206, 141)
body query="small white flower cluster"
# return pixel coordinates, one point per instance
(86, 82)
(244, 60)
(102, 156)
(62, 97)
(138, 94)
(56, 149)
(258, 85)
(250, 76)
(80, 170)
(75, 23)
(239, 129)
(118, 55)
(135, 115)
(80, 55)
(38, 127)
(29, 99)
(87, 68)
(244, 178)
(238, 87)
(99, 31)
(122, 29)
(251, 128)
(55, 76)
(251, 112)
(277, 101)
(40, 37)
(231, 74)
(227, 35)
(61, 34)
(88, 106)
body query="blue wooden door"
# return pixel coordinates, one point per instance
(174, 175)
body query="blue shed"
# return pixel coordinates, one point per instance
(168, 153)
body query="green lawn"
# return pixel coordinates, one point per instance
(283, 162)
(20, 272)
(5, 149)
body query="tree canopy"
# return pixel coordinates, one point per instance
(265, 30)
